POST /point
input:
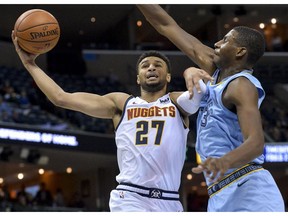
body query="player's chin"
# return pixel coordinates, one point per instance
(216, 60)
(219, 62)
(152, 86)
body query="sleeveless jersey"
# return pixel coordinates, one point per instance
(151, 144)
(218, 129)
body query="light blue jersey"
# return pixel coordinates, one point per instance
(218, 132)
(215, 120)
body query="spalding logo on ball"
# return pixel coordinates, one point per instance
(37, 31)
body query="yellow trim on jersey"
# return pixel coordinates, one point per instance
(234, 180)
(198, 158)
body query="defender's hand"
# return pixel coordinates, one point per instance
(214, 168)
(192, 76)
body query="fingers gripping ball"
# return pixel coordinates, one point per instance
(37, 31)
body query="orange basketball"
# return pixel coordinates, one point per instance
(37, 31)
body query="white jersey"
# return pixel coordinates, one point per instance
(151, 144)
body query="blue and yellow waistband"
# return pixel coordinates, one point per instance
(217, 186)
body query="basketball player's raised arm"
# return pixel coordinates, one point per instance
(91, 104)
(199, 53)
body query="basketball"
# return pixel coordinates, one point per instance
(37, 31)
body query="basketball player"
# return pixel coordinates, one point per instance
(151, 130)
(230, 138)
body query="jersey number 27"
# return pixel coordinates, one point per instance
(143, 128)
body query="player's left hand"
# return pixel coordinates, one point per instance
(215, 168)
(24, 56)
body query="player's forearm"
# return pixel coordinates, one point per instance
(244, 154)
(156, 16)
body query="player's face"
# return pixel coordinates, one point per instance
(152, 74)
(226, 50)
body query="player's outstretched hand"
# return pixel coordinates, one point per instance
(192, 76)
(24, 56)
(214, 168)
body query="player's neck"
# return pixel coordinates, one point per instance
(152, 96)
(224, 73)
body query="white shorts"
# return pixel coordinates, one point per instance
(126, 201)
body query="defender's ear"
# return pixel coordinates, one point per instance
(241, 51)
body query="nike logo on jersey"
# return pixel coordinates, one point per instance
(241, 183)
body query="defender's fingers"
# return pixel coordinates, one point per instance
(197, 86)
(205, 76)
(197, 170)
(189, 86)
(15, 41)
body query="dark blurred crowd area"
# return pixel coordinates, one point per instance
(22, 102)
(39, 200)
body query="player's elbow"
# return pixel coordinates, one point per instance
(259, 145)
(59, 99)
(160, 27)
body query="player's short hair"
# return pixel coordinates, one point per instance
(254, 42)
(155, 54)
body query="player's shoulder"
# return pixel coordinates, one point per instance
(239, 90)
(240, 82)
(119, 98)
(118, 95)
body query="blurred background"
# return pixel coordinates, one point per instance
(70, 157)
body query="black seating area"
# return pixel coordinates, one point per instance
(22, 102)
(275, 120)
